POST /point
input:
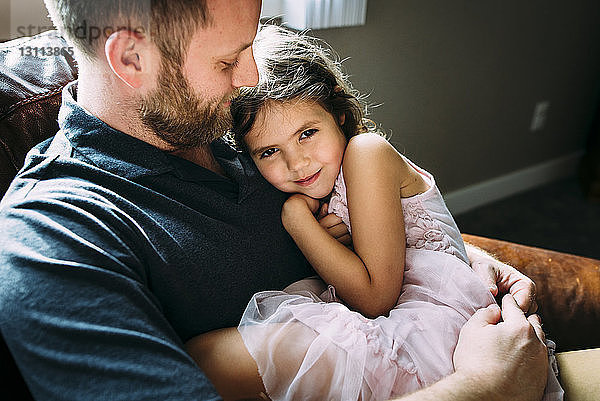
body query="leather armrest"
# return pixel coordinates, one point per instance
(567, 287)
(30, 96)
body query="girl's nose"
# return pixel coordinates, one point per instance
(298, 162)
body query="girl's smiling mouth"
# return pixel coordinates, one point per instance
(308, 180)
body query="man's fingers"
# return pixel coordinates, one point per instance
(485, 316)
(523, 292)
(522, 297)
(536, 323)
(532, 308)
(521, 287)
(488, 275)
(510, 310)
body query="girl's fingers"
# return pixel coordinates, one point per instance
(323, 211)
(329, 220)
(345, 240)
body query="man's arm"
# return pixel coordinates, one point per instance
(76, 308)
(495, 361)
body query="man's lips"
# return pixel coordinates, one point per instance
(308, 180)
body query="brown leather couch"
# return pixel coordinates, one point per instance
(568, 286)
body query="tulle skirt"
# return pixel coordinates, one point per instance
(310, 348)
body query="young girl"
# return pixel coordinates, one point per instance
(388, 319)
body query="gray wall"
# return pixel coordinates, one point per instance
(459, 79)
(22, 17)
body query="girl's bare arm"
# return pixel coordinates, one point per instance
(370, 278)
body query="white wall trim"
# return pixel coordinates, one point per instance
(473, 196)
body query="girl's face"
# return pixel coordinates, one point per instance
(297, 146)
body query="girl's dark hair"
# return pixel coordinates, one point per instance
(295, 66)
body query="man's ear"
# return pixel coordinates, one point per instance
(342, 119)
(128, 54)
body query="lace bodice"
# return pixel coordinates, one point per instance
(427, 221)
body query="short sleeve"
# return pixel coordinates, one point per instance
(76, 308)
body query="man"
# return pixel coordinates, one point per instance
(136, 227)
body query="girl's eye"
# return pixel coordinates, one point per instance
(268, 153)
(308, 133)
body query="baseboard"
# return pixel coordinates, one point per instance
(473, 196)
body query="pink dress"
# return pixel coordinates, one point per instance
(310, 346)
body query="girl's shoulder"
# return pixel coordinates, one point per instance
(369, 142)
(371, 159)
(371, 149)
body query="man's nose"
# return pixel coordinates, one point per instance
(246, 73)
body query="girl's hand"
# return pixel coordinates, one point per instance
(296, 210)
(301, 200)
(334, 226)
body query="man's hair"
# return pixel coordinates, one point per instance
(169, 23)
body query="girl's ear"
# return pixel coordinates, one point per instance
(342, 119)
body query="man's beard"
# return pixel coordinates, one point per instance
(178, 116)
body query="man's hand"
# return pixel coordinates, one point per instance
(334, 226)
(503, 279)
(507, 358)
(494, 360)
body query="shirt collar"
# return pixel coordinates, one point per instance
(132, 158)
(105, 146)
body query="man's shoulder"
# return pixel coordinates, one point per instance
(59, 188)
(46, 176)
(55, 169)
